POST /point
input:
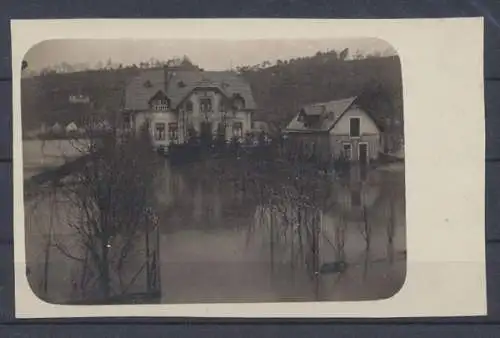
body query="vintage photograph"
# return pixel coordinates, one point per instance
(213, 171)
(260, 168)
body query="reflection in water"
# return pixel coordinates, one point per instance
(223, 240)
(230, 232)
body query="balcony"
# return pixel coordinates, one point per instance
(160, 107)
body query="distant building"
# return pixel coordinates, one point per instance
(71, 127)
(79, 99)
(177, 104)
(336, 129)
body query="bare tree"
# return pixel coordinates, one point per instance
(109, 209)
(291, 193)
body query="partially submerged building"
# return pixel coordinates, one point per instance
(177, 104)
(336, 129)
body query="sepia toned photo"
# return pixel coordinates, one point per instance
(174, 179)
(214, 171)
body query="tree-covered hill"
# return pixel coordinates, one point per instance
(279, 89)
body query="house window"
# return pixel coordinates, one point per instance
(189, 106)
(160, 131)
(354, 126)
(163, 101)
(238, 129)
(173, 132)
(346, 151)
(205, 105)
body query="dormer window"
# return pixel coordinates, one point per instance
(148, 84)
(159, 102)
(238, 102)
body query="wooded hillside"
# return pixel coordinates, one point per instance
(279, 89)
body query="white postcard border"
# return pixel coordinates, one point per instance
(442, 67)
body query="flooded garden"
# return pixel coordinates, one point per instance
(252, 228)
(244, 231)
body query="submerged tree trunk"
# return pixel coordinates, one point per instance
(104, 272)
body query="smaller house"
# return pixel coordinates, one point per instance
(336, 129)
(71, 127)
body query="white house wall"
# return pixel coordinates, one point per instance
(153, 118)
(196, 117)
(369, 134)
(367, 126)
(373, 141)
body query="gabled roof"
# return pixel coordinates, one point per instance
(178, 84)
(143, 87)
(327, 113)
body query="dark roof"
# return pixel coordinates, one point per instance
(143, 87)
(177, 84)
(326, 114)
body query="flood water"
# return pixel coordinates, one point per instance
(220, 243)
(220, 240)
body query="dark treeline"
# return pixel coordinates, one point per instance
(279, 89)
(45, 97)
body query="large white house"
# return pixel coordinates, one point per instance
(175, 104)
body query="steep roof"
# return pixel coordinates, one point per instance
(326, 114)
(177, 84)
(143, 87)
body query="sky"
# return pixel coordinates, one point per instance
(208, 54)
